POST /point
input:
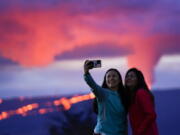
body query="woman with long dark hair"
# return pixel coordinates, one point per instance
(141, 105)
(111, 118)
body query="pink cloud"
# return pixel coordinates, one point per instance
(34, 37)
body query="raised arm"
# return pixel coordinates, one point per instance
(96, 89)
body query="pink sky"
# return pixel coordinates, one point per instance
(38, 33)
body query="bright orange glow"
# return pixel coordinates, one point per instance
(3, 115)
(42, 111)
(57, 103)
(26, 108)
(29, 107)
(81, 98)
(19, 111)
(35, 105)
(68, 102)
(65, 102)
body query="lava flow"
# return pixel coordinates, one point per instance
(35, 108)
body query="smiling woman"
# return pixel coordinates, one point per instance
(141, 104)
(111, 105)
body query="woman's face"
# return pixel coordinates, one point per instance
(112, 80)
(131, 80)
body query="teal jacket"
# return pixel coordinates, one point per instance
(111, 119)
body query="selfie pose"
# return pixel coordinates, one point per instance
(111, 118)
(141, 104)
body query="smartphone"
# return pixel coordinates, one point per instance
(95, 63)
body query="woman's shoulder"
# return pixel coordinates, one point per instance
(109, 92)
(142, 92)
(106, 90)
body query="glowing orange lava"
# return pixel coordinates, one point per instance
(65, 102)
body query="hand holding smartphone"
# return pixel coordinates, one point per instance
(94, 63)
(89, 64)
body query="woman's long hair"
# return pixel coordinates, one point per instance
(121, 91)
(141, 84)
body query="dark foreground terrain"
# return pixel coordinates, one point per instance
(78, 118)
